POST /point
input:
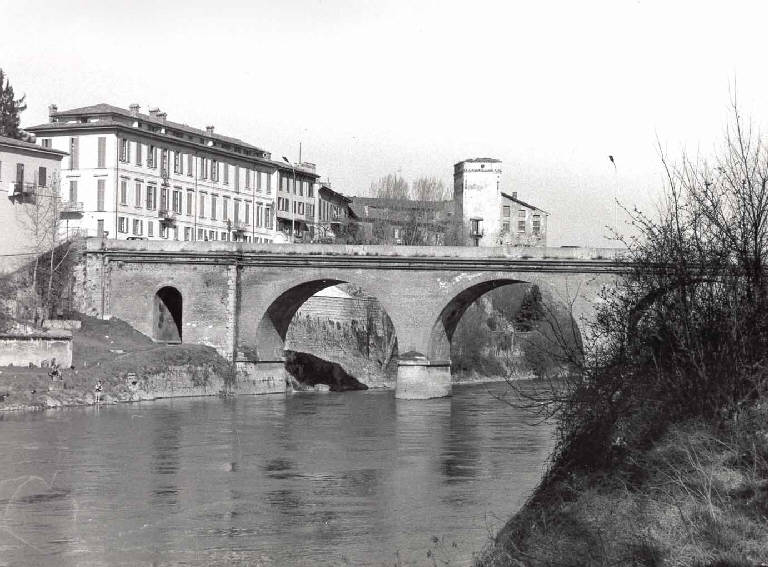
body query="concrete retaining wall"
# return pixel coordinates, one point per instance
(187, 380)
(65, 324)
(38, 349)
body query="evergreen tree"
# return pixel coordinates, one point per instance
(10, 108)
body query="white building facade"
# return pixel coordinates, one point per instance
(135, 175)
(493, 217)
(29, 207)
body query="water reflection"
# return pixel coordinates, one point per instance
(302, 479)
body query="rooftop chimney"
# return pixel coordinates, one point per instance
(134, 109)
(52, 109)
(209, 130)
(162, 116)
(153, 112)
(514, 194)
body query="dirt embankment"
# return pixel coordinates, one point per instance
(118, 356)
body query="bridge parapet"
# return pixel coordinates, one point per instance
(247, 248)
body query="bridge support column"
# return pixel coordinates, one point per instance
(420, 379)
(260, 377)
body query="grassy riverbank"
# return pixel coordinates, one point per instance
(106, 351)
(661, 453)
(697, 496)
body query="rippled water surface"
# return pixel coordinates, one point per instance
(358, 478)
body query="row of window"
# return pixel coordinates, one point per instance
(151, 199)
(40, 179)
(137, 226)
(299, 207)
(535, 228)
(209, 168)
(521, 213)
(135, 152)
(300, 187)
(330, 211)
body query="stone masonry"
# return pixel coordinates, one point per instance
(241, 298)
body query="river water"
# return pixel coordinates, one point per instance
(357, 478)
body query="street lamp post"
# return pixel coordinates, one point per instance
(293, 206)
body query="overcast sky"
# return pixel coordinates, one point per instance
(550, 88)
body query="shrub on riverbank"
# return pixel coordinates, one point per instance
(662, 435)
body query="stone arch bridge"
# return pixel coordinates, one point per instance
(240, 298)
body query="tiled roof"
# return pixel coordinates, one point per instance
(104, 108)
(110, 122)
(30, 146)
(325, 187)
(402, 204)
(399, 210)
(523, 203)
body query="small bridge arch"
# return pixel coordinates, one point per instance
(167, 315)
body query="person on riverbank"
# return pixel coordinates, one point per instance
(98, 389)
(55, 373)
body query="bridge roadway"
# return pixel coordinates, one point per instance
(239, 297)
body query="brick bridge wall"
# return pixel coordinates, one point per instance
(240, 298)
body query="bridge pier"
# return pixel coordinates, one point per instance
(260, 377)
(421, 379)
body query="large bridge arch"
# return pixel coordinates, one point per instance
(263, 330)
(425, 369)
(574, 293)
(268, 309)
(557, 321)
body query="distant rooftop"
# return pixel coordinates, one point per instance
(513, 197)
(13, 142)
(481, 160)
(155, 117)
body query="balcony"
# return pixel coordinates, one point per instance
(240, 226)
(167, 217)
(23, 192)
(71, 210)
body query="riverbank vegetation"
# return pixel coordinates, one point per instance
(662, 447)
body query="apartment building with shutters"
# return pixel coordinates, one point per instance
(332, 215)
(136, 175)
(297, 199)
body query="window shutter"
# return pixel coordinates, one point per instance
(74, 153)
(102, 152)
(100, 188)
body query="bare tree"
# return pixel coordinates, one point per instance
(391, 186)
(39, 215)
(426, 189)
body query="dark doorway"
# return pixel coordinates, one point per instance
(167, 315)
